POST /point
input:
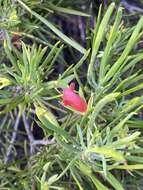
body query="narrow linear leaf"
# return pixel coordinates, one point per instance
(126, 51)
(67, 10)
(49, 121)
(113, 181)
(106, 151)
(127, 167)
(112, 37)
(97, 41)
(108, 98)
(66, 39)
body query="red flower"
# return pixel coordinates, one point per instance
(70, 98)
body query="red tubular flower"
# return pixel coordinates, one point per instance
(70, 98)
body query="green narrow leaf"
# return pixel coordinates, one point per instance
(134, 89)
(112, 37)
(132, 62)
(131, 105)
(128, 81)
(113, 181)
(108, 98)
(13, 104)
(126, 51)
(76, 180)
(107, 152)
(55, 57)
(97, 41)
(50, 122)
(50, 55)
(80, 136)
(67, 10)
(66, 39)
(125, 141)
(97, 22)
(135, 123)
(136, 159)
(120, 125)
(98, 184)
(104, 164)
(127, 167)
(81, 61)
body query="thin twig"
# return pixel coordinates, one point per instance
(44, 142)
(14, 134)
(29, 133)
(32, 141)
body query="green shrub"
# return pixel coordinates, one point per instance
(100, 149)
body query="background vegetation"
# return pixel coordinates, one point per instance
(46, 45)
